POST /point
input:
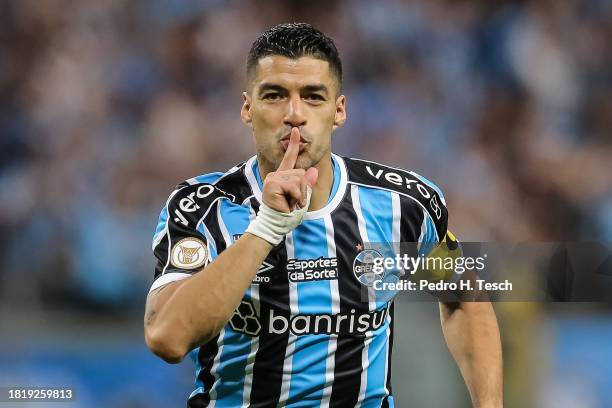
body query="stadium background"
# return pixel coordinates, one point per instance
(106, 105)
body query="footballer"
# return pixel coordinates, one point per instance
(261, 274)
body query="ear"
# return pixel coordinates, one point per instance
(245, 111)
(340, 116)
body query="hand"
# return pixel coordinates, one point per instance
(283, 190)
(288, 186)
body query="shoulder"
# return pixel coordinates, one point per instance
(408, 184)
(382, 176)
(193, 198)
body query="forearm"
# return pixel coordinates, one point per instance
(472, 336)
(185, 314)
(199, 308)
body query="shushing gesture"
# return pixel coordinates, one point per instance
(288, 186)
(286, 196)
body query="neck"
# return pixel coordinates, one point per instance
(321, 190)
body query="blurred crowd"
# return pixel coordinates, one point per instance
(106, 105)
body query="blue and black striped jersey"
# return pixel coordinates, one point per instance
(308, 333)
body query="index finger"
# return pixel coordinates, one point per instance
(293, 149)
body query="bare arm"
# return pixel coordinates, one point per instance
(472, 336)
(185, 314)
(188, 313)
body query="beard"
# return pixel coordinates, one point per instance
(270, 158)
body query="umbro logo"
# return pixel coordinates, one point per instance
(262, 276)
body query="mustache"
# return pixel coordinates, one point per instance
(285, 134)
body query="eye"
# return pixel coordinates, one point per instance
(314, 97)
(272, 96)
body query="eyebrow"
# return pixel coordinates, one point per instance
(279, 88)
(271, 87)
(315, 88)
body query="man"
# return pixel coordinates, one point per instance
(257, 268)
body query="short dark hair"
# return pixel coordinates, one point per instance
(295, 40)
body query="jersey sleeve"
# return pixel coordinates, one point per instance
(436, 240)
(431, 236)
(180, 242)
(431, 222)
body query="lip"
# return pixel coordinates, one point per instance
(284, 142)
(288, 136)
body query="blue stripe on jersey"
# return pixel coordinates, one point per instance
(377, 359)
(236, 346)
(161, 225)
(377, 211)
(336, 179)
(235, 217)
(193, 354)
(210, 242)
(430, 236)
(309, 240)
(257, 175)
(314, 297)
(429, 183)
(208, 178)
(236, 349)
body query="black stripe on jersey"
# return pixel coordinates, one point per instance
(161, 255)
(211, 221)
(410, 226)
(235, 184)
(347, 364)
(270, 356)
(254, 204)
(371, 174)
(411, 221)
(385, 403)
(206, 356)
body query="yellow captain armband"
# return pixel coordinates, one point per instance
(441, 262)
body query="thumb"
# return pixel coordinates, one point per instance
(312, 174)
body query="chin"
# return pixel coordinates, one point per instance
(305, 162)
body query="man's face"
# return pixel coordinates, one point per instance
(286, 93)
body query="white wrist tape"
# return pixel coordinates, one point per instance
(273, 225)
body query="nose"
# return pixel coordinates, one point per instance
(294, 117)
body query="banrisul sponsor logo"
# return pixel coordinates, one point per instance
(306, 270)
(342, 323)
(245, 319)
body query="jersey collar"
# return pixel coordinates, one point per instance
(338, 188)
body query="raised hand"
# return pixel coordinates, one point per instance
(287, 186)
(286, 196)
